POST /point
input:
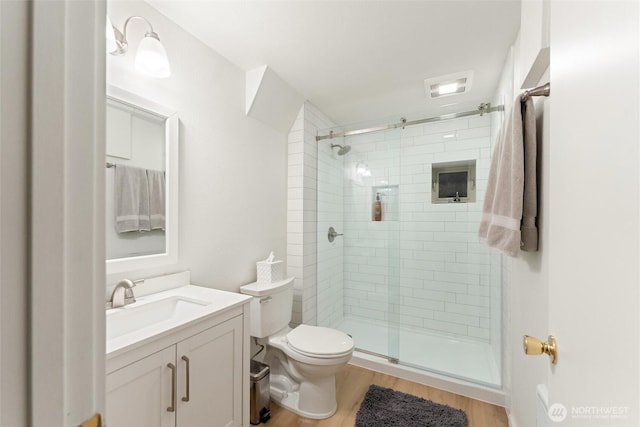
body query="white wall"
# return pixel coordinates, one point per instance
(233, 169)
(527, 276)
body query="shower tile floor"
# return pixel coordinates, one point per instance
(468, 360)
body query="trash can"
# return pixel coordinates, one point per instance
(260, 399)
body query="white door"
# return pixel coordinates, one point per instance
(211, 393)
(143, 393)
(66, 164)
(14, 214)
(593, 297)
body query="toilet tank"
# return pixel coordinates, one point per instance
(270, 307)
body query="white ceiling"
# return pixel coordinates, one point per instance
(361, 60)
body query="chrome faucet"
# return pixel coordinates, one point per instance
(123, 292)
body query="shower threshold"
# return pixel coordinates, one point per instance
(390, 359)
(472, 361)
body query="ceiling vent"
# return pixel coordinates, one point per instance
(451, 84)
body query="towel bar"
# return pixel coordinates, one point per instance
(544, 90)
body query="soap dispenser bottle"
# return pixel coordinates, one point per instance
(377, 208)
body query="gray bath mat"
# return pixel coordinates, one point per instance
(384, 407)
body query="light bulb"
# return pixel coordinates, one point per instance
(447, 88)
(151, 58)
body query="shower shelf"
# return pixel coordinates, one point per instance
(389, 198)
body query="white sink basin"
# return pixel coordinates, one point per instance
(156, 315)
(134, 317)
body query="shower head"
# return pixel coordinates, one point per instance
(342, 150)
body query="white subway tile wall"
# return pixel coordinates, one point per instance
(305, 222)
(330, 257)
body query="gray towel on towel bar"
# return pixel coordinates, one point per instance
(156, 199)
(528, 228)
(131, 199)
(510, 204)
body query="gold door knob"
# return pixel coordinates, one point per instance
(533, 347)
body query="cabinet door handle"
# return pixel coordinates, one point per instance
(186, 359)
(172, 408)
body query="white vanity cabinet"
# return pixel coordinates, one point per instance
(205, 391)
(211, 394)
(197, 375)
(139, 394)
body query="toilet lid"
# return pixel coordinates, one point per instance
(319, 341)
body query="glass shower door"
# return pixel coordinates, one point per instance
(409, 279)
(358, 191)
(450, 282)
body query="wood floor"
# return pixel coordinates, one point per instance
(353, 382)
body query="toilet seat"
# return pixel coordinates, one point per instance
(319, 342)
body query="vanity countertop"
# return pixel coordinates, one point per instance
(158, 315)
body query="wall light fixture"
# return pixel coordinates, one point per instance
(151, 58)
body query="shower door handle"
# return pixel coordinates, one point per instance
(332, 234)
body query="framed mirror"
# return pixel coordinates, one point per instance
(141, 183)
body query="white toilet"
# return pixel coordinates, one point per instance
(303, 360)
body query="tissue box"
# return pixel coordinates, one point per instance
(269, 272)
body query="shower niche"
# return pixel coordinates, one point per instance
(388, 198)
